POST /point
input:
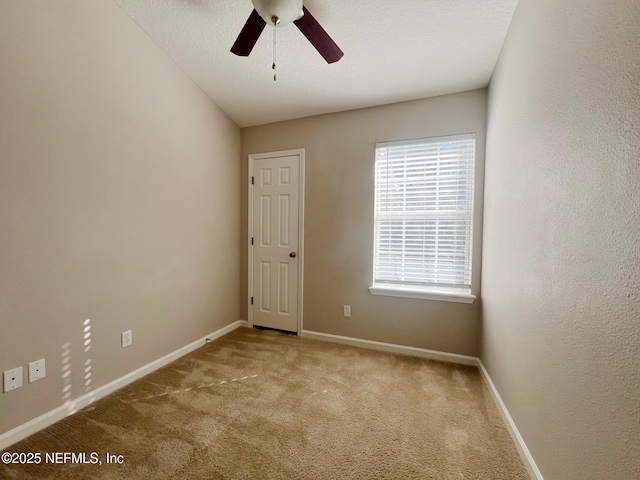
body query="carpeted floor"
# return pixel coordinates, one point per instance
(264, 405)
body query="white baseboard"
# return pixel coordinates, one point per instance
(72, 406)
(525, 455)
(391, 348)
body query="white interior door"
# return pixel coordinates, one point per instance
(275, 254)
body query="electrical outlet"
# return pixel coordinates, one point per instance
(347, 310)
(127, 338)
(37, 370)
(12, 379)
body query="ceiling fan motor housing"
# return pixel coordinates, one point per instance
(279, 13)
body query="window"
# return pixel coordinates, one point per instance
(424, 218)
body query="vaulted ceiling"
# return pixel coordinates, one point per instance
(394, 51)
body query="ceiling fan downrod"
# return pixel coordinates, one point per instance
(274, 55)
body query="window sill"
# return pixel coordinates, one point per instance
(444, 296)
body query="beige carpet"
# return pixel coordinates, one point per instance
(264, 405)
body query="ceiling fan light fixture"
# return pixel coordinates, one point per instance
(279, 13)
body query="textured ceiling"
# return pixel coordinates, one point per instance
(394, 51)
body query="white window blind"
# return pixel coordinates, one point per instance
(424, 213)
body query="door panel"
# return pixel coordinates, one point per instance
(265, 221)
(283, 289)
(265, 287)
(285, 215)
(275, 247)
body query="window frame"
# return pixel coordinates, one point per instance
(447, 294)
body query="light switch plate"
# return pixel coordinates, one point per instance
(37, 370)
(12, 379)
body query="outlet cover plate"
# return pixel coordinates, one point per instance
(347, 310)
(127, 338)
(12, 379)
(37, 370)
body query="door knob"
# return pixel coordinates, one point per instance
(292, 254)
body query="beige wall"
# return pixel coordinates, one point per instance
(340, 152)
(561, 260)
(119, 200)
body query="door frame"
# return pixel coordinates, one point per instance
(261, 156)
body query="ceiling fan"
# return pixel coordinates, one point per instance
(280, 13)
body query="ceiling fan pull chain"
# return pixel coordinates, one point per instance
(274, 54)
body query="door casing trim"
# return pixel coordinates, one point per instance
(261, 156)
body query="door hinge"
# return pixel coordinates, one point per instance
(251, 300)
(251, 240)
(253, 180)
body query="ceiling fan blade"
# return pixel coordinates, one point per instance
(249, 35)
(320, 39)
